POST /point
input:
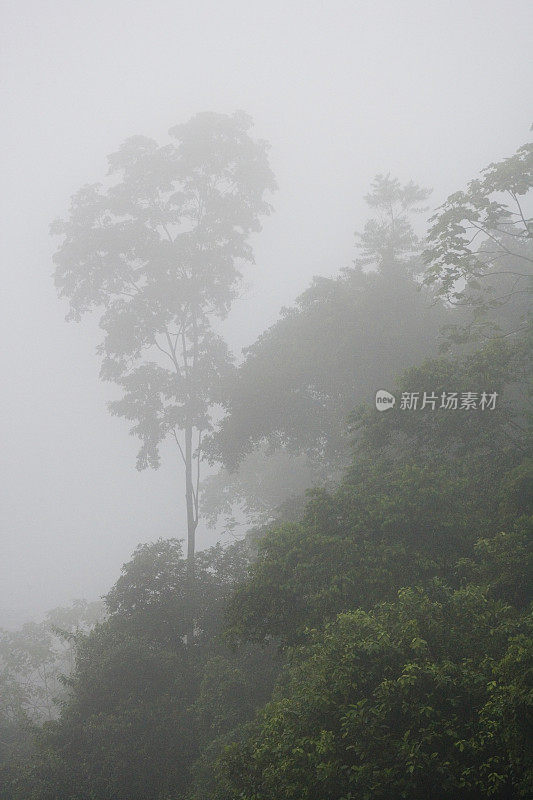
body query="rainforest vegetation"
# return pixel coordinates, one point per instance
(367, 633)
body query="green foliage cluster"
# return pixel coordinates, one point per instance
(141, 701)
(402, 601)
(424, 697)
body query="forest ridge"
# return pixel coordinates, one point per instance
(369, 637)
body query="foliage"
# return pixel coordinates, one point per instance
(480, 251)
(34, 658)
(423, 487)
(407, 700)
(435, 433)
(342, 340)
(389, 238)
(143, 701)
(269, 484)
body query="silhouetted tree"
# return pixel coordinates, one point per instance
(158, 254)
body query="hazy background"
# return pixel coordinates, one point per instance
(342, 90)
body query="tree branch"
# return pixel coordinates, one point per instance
(179, 445)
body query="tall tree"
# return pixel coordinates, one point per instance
(479, 252)
(158, 253)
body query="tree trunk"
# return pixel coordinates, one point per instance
(191, 497)
(192, 522)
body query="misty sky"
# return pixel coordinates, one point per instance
(431, 91)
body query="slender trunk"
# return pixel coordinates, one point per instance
(192, 522)
(192, 497)
(189, 497)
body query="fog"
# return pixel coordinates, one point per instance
(341, 90)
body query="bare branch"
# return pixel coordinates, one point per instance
(500, 244)
(521, 213)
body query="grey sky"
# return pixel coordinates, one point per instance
(428, 90)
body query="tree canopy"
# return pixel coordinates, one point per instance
(479, 252)
(158, 253)
(341, 341)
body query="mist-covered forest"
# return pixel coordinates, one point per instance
(343, 611)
